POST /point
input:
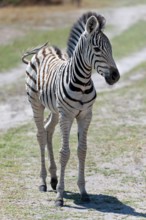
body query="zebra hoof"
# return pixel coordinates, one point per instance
(53, 183)
(43, 188)
(85, 198)
(59, 203)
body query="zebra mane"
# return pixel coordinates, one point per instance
(79, 27)
(58, 51)
(62, 55)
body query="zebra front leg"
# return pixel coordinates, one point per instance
(83, 121)
(50, 127)
(65, 126)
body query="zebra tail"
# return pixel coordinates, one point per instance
(32, 52)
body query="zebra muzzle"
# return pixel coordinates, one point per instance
(113, 77)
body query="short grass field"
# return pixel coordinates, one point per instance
(115, 167)
(116, 161)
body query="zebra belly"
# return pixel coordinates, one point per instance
(49, 101)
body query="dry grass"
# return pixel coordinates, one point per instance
(31, 14)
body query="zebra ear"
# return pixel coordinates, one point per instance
(102, 22)
(91, 24)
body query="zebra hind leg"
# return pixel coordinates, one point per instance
(38, 113)
(50, 127)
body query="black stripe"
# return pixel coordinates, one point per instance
(33, 66)
(67, 95)
(67, 71)
(31, 88)
(83, 68)
(30, 95)
(77, 81)
(90, 99)
(83, 64)
(43, 76)
(74, 88)
(65, 92)
(37, 60)
(63, 101)
(51, 90)
(31, 77)
(88, 91)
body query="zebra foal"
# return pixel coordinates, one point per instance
(63, 84)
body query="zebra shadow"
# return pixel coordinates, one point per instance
(102, 203)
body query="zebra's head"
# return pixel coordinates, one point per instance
(99, 50)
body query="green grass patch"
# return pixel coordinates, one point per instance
(11, 53)
(130, 41)
(13, 144)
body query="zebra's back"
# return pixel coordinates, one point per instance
(41, 76)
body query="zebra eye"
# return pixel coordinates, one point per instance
(96, 49)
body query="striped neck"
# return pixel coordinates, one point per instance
(81, 71)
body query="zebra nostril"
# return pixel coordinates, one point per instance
(115, 75)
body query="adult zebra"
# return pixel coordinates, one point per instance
(64, 85)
